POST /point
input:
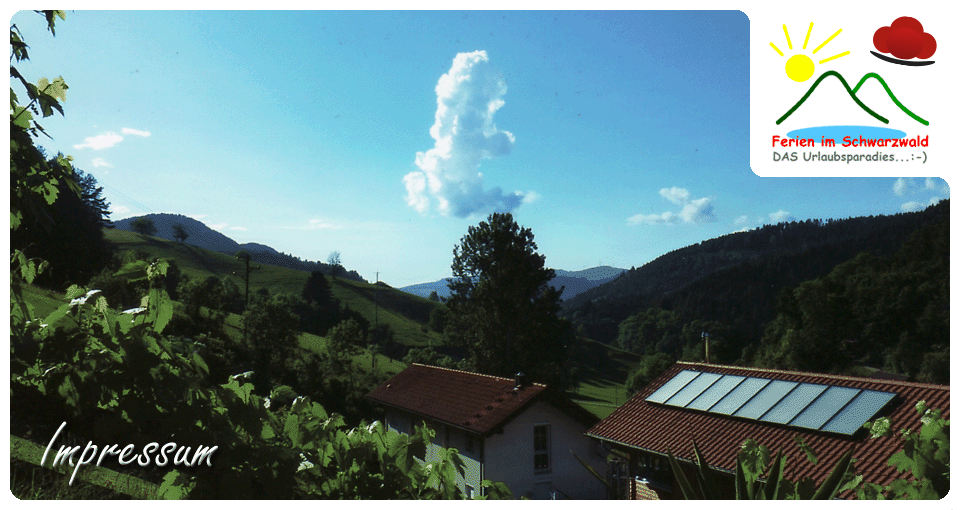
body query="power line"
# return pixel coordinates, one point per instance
(126, 197)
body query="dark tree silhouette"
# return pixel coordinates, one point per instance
(144, 226)
(69, 235)
(502, 308)
(179, 233)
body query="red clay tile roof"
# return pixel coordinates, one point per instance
(475, 402)
(657, 428)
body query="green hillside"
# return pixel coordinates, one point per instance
(406, 314)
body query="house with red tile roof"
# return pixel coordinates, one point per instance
(720, 407)
(505, 429)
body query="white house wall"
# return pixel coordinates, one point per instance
(447, 437)
(509, 456)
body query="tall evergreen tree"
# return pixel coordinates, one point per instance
(69, 233)
(502, 308)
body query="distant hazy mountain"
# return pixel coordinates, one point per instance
(205, 237)
(258, 248)
(573, 282)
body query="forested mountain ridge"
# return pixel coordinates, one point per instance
(735, 279)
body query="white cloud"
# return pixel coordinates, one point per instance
(315, 224)
(675, 195)
(135, 132)
(108, 139)
(99, 142)
(781, 216)
(531, 196)
(244, 229)
(218, 226)
(99, 162)
(937, 185)
(741, 219)
(900, 186)
(919, 206)
(698, 210)
(934, 188)
(119, 209)
(652, 219)
(464, 135)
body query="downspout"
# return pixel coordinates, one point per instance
(483, 465)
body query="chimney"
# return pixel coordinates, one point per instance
(706, 346)
(521, 381)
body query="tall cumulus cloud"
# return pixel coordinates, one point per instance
(464, 135)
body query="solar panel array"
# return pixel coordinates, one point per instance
(812, 406)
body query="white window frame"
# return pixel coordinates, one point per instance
(548, 451)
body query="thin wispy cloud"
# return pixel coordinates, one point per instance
(698, 210)
(135, 132)
(781, 216)
(464, 134)
(108, 139)
(100, 162)
(242, 229)
(315, 224)
(100, 142)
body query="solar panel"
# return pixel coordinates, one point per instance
(858, 411)
(692, 390)
(765, 399)
(792, 404)
(715, 392)
(813, 406)
(672, 386)
(739, 395)
(825, 407)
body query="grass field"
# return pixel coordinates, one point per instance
(373, 302)
(602, 389)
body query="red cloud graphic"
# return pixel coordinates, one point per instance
(905, 39)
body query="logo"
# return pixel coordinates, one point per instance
(904, 43)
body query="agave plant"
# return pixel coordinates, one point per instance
(747, 480)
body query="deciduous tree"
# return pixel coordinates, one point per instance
(179, 233)
(144, 226)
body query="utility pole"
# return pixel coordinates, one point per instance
(376, 302)
(245, 257)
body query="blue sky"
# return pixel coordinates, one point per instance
(615, 136)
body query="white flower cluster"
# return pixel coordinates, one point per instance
(244, 375)
(304, 463)
(83, 299)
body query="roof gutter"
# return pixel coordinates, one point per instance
(655, 452)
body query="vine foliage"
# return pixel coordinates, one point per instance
(116, 378)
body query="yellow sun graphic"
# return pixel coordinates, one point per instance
(800, 67)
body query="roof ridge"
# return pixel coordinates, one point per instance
(817, 374)
(472, 373)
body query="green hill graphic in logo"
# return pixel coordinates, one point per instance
(853, 95)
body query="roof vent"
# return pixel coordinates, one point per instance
(521, 381)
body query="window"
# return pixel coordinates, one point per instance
(470, 447)
(541, 448)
